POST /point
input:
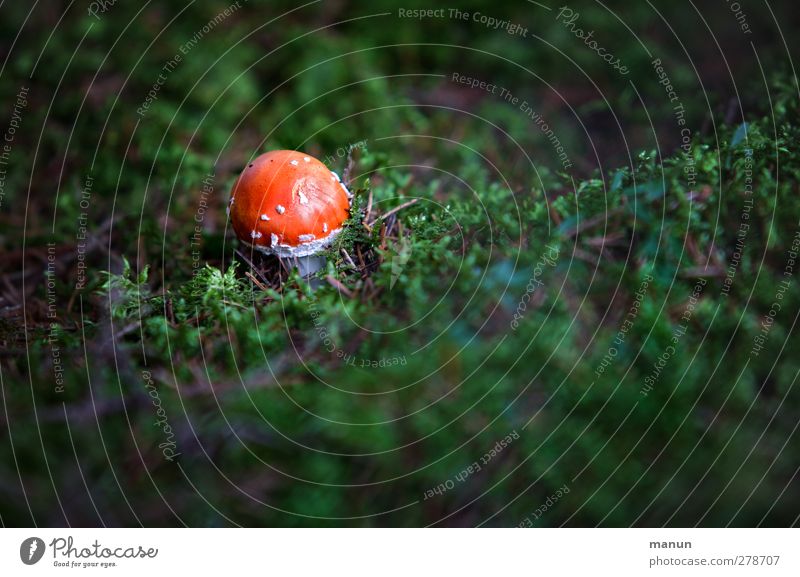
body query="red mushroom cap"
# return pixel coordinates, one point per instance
(288, 204)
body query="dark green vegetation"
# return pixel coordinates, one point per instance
(161, 384)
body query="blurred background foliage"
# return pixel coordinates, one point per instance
(273, 429)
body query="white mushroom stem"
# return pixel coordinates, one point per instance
(305, 255)
(307, 266)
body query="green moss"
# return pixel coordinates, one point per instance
(302, 397)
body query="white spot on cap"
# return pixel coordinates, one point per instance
(283, 249)
(324, 227)
(303, 198)
(336, 176)
(280, 209)
(344, 188)
(255, 234)
(306, 237)
(294, 163)
(306, 159)
(264, 217)
(231, 202)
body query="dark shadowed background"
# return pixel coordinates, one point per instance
(586, 318)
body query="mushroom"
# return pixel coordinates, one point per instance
(289, 204)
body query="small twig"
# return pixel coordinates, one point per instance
(349, 260)
(375, 291)
(388, 226)
(244, 257)
(613, 239)
(555, 216)
(254, 268)
(361, 258)
(382, 244)
(702, 271)
(256, 282)
(365, 221)
(349, 166)
(339, 286)
(590, 222)
(395, 209)
(197, 320)
(127, 329)
(585, 256)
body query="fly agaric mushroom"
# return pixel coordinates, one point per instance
(289, 204)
